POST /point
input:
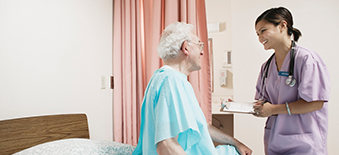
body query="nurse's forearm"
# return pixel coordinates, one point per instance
(298, 107)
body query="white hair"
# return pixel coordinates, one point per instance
(172, 38)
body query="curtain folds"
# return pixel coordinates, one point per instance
(137, 29)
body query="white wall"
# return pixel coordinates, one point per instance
(318, 21)
(52, 56)
(219, 11)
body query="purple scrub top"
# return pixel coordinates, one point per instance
(298, 134)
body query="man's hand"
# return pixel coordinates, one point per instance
(243, 149)
(221, 137)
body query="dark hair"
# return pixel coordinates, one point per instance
(276, 15)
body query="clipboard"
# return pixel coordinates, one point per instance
(237, 107)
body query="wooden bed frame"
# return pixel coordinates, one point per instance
(19, 134)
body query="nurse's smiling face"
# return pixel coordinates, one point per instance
(268, 34)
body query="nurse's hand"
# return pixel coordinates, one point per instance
(263, 109)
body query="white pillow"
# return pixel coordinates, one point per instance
(79, 146)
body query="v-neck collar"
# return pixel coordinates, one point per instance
(285, 65)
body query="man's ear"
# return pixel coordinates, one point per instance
(184, 48)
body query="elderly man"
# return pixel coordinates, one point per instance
(171, 119)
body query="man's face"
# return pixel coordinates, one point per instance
(195, 51)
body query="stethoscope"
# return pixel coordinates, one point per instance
(290, 81)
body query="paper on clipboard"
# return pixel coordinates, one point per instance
(237, 107)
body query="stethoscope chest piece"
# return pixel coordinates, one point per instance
(290, 81)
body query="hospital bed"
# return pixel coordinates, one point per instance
(54, 134)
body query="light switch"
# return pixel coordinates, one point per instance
(223, 77)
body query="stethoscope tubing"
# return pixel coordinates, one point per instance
(290, 81)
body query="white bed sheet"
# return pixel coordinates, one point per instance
(79, 146)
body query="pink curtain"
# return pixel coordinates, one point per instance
(128, 69)
(137, 29)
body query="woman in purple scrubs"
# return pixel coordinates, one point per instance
(296, 106)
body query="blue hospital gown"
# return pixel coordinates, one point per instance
(170, 108)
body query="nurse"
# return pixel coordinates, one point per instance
(292, 95)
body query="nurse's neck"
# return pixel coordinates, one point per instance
(282, 50)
